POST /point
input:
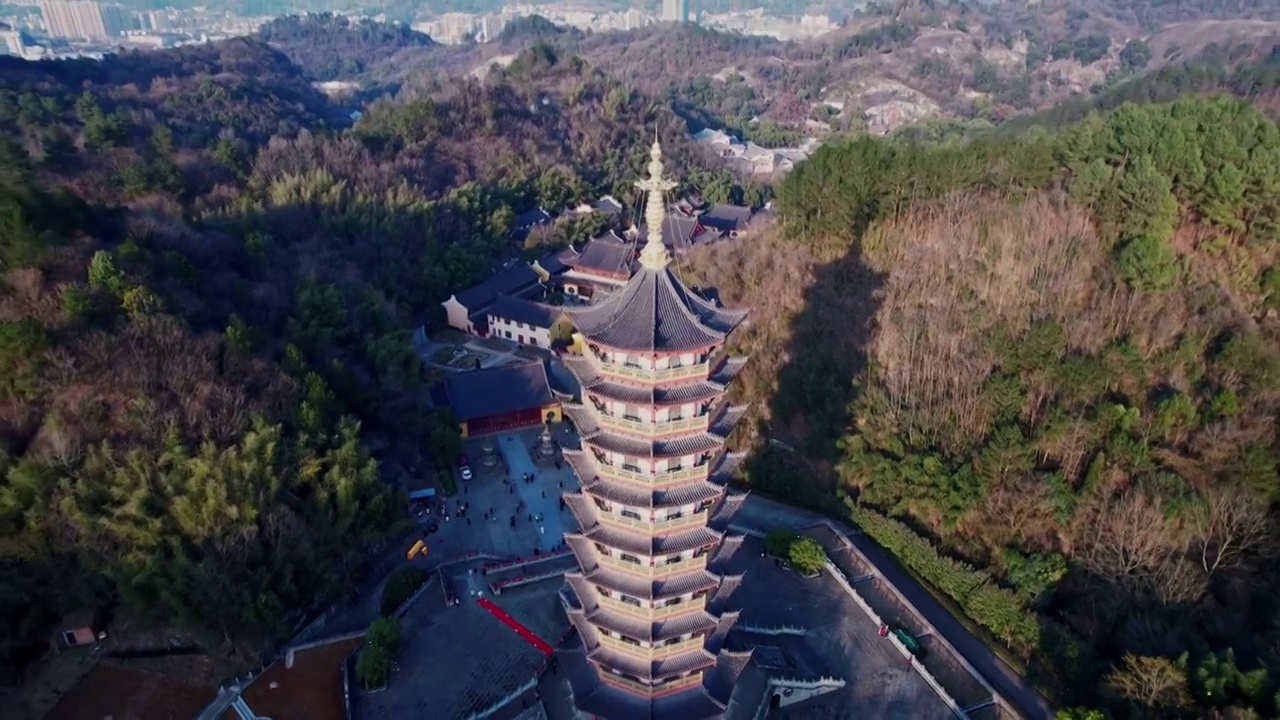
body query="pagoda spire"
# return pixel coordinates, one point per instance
(654, 256)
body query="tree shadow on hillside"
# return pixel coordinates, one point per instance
(811, 409)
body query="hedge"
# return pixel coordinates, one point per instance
(1056, 655)
(401, 586)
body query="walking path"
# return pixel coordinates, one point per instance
(525, 633)
(538, 498)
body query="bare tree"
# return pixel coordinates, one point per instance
(1128, 541)
(1231, 523)
(1154, 683)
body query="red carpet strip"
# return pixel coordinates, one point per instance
(521, 630)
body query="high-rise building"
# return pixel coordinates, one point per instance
(649, 600)
(84, 19)
(675, 10)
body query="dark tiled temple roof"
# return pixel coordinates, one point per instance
(528, 312)
(640, 587)
(653, 545)
(727, 218)
(605, 701)
(698, 621)
(687, 494)
(696, 659)
(498, 390)
(607, 205)
(680, 233)
(655, 311)
(607, 254)
(536, 216)
(554, 263)
(515, 280)
(729, 667)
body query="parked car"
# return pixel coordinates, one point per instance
(466, 472)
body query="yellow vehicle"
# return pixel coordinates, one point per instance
(418, 547)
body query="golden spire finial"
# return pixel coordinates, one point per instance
(654, 254)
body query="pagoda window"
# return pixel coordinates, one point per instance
(671, 641)
(673, 559)
(628, 557)
(674, 515)
(629, 641)
(632, 361)
(603, 505)
(631, 514)
(631, 464)
(602, 549)
(629, 600)
(702, 551)
(675, 465)
(675, 413)
(631, 412)
(702, 506)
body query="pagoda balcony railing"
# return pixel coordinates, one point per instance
(684, 565)
(689, 520)
(652, 428)
(696, 472)
(650, 479)
(639, 687)
(648, 525)
(651, 614)
(617, 472)
(622, 646)
(626, 683)
(695, 679)
(625, 608)
(624, 566)
(696, 641)
(680, 608)
(634, 372)
(649, 570)
(609, 518)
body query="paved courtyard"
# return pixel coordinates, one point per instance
(497, 495)
(841, 641)
(461, 659)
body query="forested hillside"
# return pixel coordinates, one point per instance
(206, 372)
(887, 66)
(1044, 371)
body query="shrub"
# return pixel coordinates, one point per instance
(807, 556)
(386, 633)
(373, 665)
(382, 642)
(401, 586)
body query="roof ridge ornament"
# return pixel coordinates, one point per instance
(654, 255)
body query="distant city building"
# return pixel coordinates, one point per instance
(12, 42)
(675, 10)
(84, 19)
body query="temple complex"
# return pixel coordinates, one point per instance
(649, 598)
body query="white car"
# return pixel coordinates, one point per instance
(465, 472)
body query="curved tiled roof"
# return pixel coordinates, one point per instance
(655, 311)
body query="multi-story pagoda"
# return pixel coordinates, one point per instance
(649, 599)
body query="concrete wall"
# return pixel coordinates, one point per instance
(456, 315)
(521, 333)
